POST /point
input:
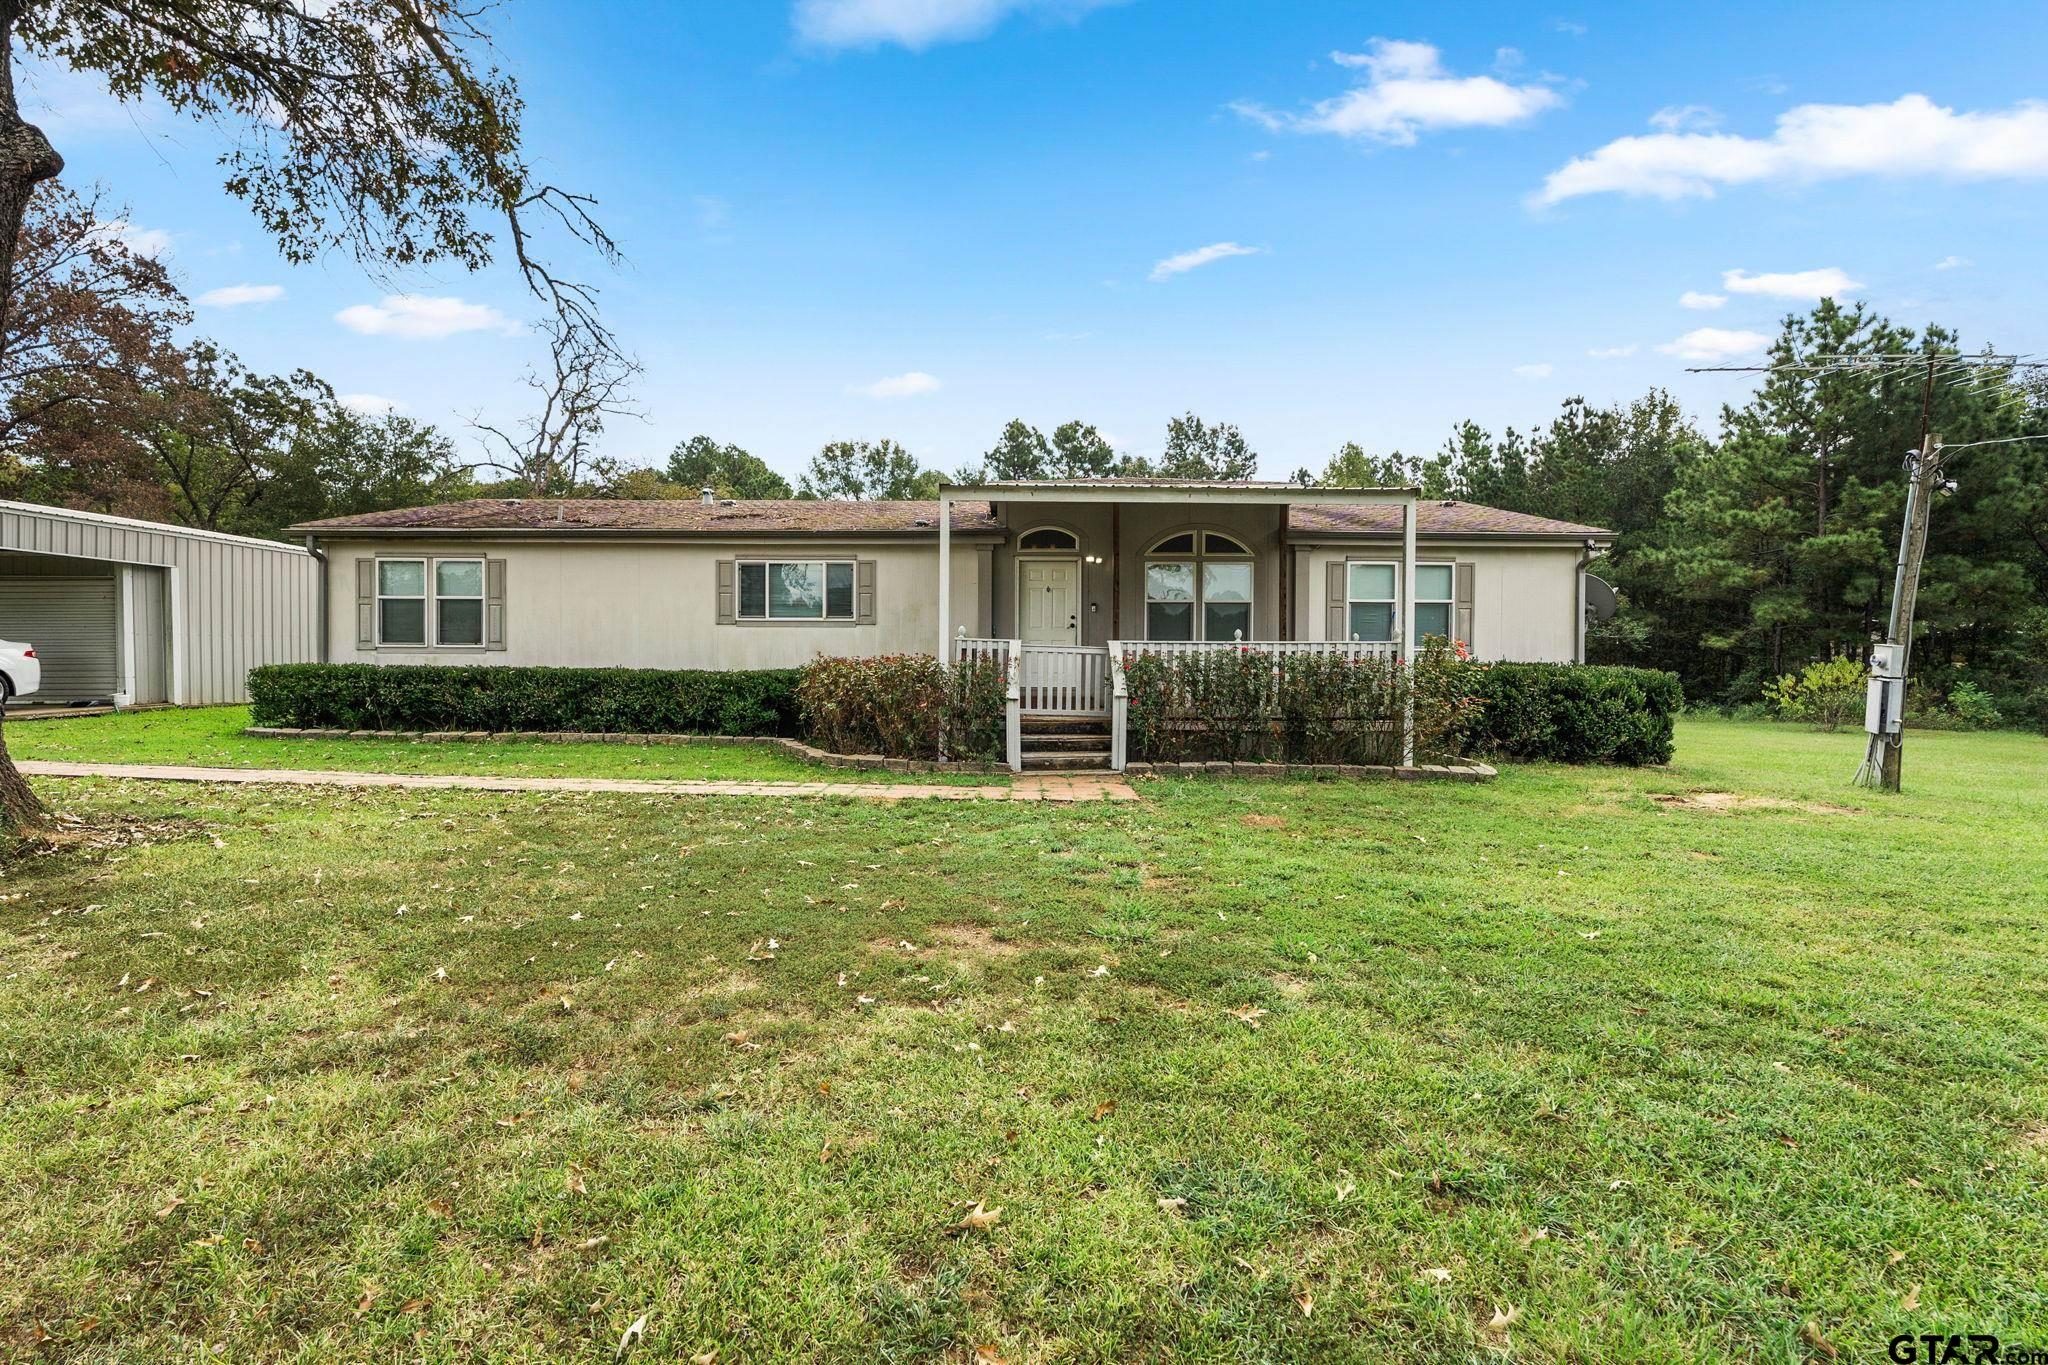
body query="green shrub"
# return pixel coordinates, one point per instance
(1572, 713)
(475, 697)
(904, 706)
(1824, 695)
(1974, 708)
(1254, 705)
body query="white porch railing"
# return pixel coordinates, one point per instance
(1119, 700)
(1065, 680)
(1009, 653)
(1349, 649)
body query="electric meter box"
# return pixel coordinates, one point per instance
(1888, 661)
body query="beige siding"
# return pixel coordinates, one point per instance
(653, 604)
(232, 602)
(1524, 597)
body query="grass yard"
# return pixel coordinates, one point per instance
(212, 737)
(1546, 1069)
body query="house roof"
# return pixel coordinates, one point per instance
(777, 517)
(760, 516)
(1447, 519)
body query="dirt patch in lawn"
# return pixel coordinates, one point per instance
(970, 940)
(1727, 801)
(1264, 821)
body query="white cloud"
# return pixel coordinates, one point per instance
(1407, 91)
(235, 295)
(1954, 263)
(918, 24)
(370, 404)
(1715, 343)
(907, 385)
(1200, 256)
(417, 317)
(1829, 282)
(1685, 118)
(1611, 352)
(1693, 298)
(1910, 136)
(1534, 371)
(141, 241)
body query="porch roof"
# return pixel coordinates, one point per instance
(1240, 491)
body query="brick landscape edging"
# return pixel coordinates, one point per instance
(862, 762)
(1300, 772)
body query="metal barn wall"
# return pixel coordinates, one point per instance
(232, 602)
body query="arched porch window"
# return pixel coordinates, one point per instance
(1198, 586)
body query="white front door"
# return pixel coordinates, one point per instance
(1049, 601)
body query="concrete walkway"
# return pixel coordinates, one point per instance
(1105, 787)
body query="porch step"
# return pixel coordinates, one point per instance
(1064, 725)
(1063, 743)
(1089, 760)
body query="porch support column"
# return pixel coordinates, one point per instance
(1409, 642)
(945, 650)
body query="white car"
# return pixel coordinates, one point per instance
(21, 672)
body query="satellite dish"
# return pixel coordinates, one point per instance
(1600, 603)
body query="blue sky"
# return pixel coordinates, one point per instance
(1321, 221)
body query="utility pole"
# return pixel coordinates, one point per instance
(1881, 762)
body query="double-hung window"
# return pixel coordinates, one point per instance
(1198, 586)
(423, 599)
(795, 590)
(401, 602)
(1374, 605)
(1435, 594)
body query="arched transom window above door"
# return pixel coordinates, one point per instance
(1046, 538)
(1198, 586)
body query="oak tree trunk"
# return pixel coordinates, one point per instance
(21, 810)
(26, 160)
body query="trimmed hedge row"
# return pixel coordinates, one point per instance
(1571, 713)
(475, 697)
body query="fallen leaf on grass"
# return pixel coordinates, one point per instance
(1174, 1205)
(1248, 1015)
(365, 1299)
(1895, 1258)
(981, 1218)
(1911, 1301)
(631, 1335)
(1504, 1318)
(1534, 1235)
(573, 1182)
(440, 1208)
(593, 1243)
(1102, 1111)
(1436, 1274)
(1306, 1302)
(1811, 1335)
(987, 1355)
(737, 1037)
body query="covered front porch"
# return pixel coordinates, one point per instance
(1091, 573)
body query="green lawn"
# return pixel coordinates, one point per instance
(1252, 1070)
(212, 737)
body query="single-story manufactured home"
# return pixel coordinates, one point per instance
(1053, 571)
(139, 612)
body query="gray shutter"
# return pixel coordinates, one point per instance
(864, 591)
(1335, 626)
(366, 604)
(1463, 628)
(726, 614)
(494, 604)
